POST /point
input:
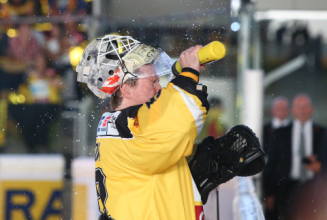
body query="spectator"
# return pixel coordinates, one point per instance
(20, 52)
(43, 85)
(63, 66)
(25, 46)
(75, 35)
(42, 91)
(294, 160)
(53, 43)
(62, 62)
(280, 112)
(14, 8)
(78, 7)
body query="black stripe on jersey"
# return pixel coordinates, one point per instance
(121, 121)
(189, 85)
(153, 99)
(191, 70)
(131, 112)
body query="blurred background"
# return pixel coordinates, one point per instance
(273, 49)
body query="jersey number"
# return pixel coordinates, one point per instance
(100, 180)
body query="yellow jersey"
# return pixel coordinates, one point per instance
(141, 170)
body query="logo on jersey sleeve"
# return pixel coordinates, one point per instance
(107, 125)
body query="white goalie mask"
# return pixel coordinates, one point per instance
(109, 61)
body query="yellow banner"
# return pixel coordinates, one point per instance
(79, 199)
(31, 200)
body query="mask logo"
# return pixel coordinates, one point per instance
(111, 85)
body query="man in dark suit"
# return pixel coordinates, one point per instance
(294, 158)
(280, 112)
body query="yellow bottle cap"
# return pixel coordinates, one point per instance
(213, 51)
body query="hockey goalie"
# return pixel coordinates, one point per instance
(142, 142)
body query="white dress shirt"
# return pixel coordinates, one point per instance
(308, 145)
(277, 123)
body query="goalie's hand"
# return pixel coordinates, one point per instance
(189, 58)
(241, 140)
(212, 165)
(217, 161)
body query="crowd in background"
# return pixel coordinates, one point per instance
(15, 8)
(36, 74)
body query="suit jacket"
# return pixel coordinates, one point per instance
(324, 154)
(276, 174)
(268, 131)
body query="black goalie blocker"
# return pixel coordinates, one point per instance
(216, 161)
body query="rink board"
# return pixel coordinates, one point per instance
(31, 187)
(84, 198)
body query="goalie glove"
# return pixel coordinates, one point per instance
(216, 161)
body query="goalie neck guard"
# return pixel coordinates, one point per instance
(110, 61)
